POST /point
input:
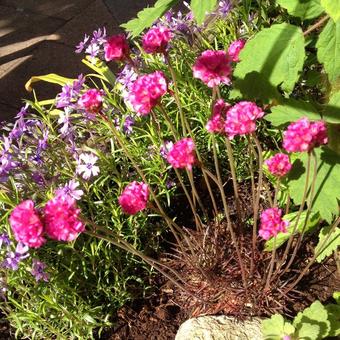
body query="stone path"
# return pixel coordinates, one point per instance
(38, 37)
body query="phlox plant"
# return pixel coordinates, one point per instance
(200, 121)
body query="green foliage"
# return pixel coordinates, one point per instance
(303, 9)
(277, 53)
(49, 78)
(327, 182)
(303, 224)
(328, 46)
(314, 323)
(332, 7)
(201, 8)
(328, 242)
(148, 16)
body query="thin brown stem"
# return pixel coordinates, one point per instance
(316, 25)
(271, 266)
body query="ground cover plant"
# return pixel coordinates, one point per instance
(211, 156)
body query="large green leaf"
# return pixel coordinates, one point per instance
(281, 238)
(313, 322)
(148, 16)
(327, 183)
(328, 46)
(332, 243)
(276, 328)
(201, 8)
(291, 111)
(277, 53)
(334, 318)
(331, 112)
(48, 78)
(307, 9)
(332, 7)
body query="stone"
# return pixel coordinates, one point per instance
(219, 328)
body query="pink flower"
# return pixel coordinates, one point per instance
(241, 118)
(134, 198)
(272, 223)
(146, 91)
(182, 154)
(279, 165)
(304, 135)
(26, 225)
(213, 68)
(116, 48)
(91, 101)
(156, 39)
(217, 120)
(62, 221)
(235, 48)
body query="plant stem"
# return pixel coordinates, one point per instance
(271, 266)
(316, 25)
(169, 122)
(277, 189)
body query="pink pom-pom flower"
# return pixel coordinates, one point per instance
(146, 92)
(279, 165)
(182, 154)
(116, 48)
(26, 225)
(213, 68)
(304, 135)
(235, 48)
(134, 198)
(91, 101)
(272, 223)
(241, 118)
(156, 39)
(217, 120)
(62, 221)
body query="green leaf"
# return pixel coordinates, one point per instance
(303, 9)
(326, 249)
(328, 46)
(331, 112)
(336, 297)
(313, 322)
(332, 7)
(334, 318)
(327, 183)
(201, 8)
(49, 78)
(277, 53)
(276, 328)
(281, 238)
(101, 68)
(291, 111)
(148, 16)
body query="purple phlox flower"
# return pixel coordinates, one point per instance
(86, 165)
(38, 178)
(170, 183)
(165, 148)
(23, 112)
(15, 133)
(93, 50)
(128, 123)
(224, 7)
(80, 47)
(42, 144)
(64, 97)
(78, 84)
(127, 76)
(169, 15)
(38, 272)
(71, 189)
(286, 337)
(99, 36)
(64, 119)
(7, 164)
(15, 257)
(6, 144)
(4, 240)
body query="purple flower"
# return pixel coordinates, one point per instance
(4, 240)
(86, 165)
(128, 123)
(38, 178)
(165, 148)
(38, 270)
(23, 112)
(127, 76)
(71, 189)
(99, 36)
(80, 47)
(64, 118)
(170, 183)
(42, 144)
(93, 50)
(14, 258)
(224, 7)
(70, 93)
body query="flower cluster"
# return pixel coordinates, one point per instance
(156, 39)
(235, 48)
(304, 135)
(13, 258)
(272, 223)
(213, 68)
(116, 48)
(134, 198)
(91, 101)
(61, 218)
(182, 154)
(146, 92)
(279, 165)
(69, 93)
(95, 46)
(217, 121)
(38, 270)
(241, 118)
(86, 165)
(26, 225)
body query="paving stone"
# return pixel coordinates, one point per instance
(7, 111)
(64, 9)
(94, 16)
